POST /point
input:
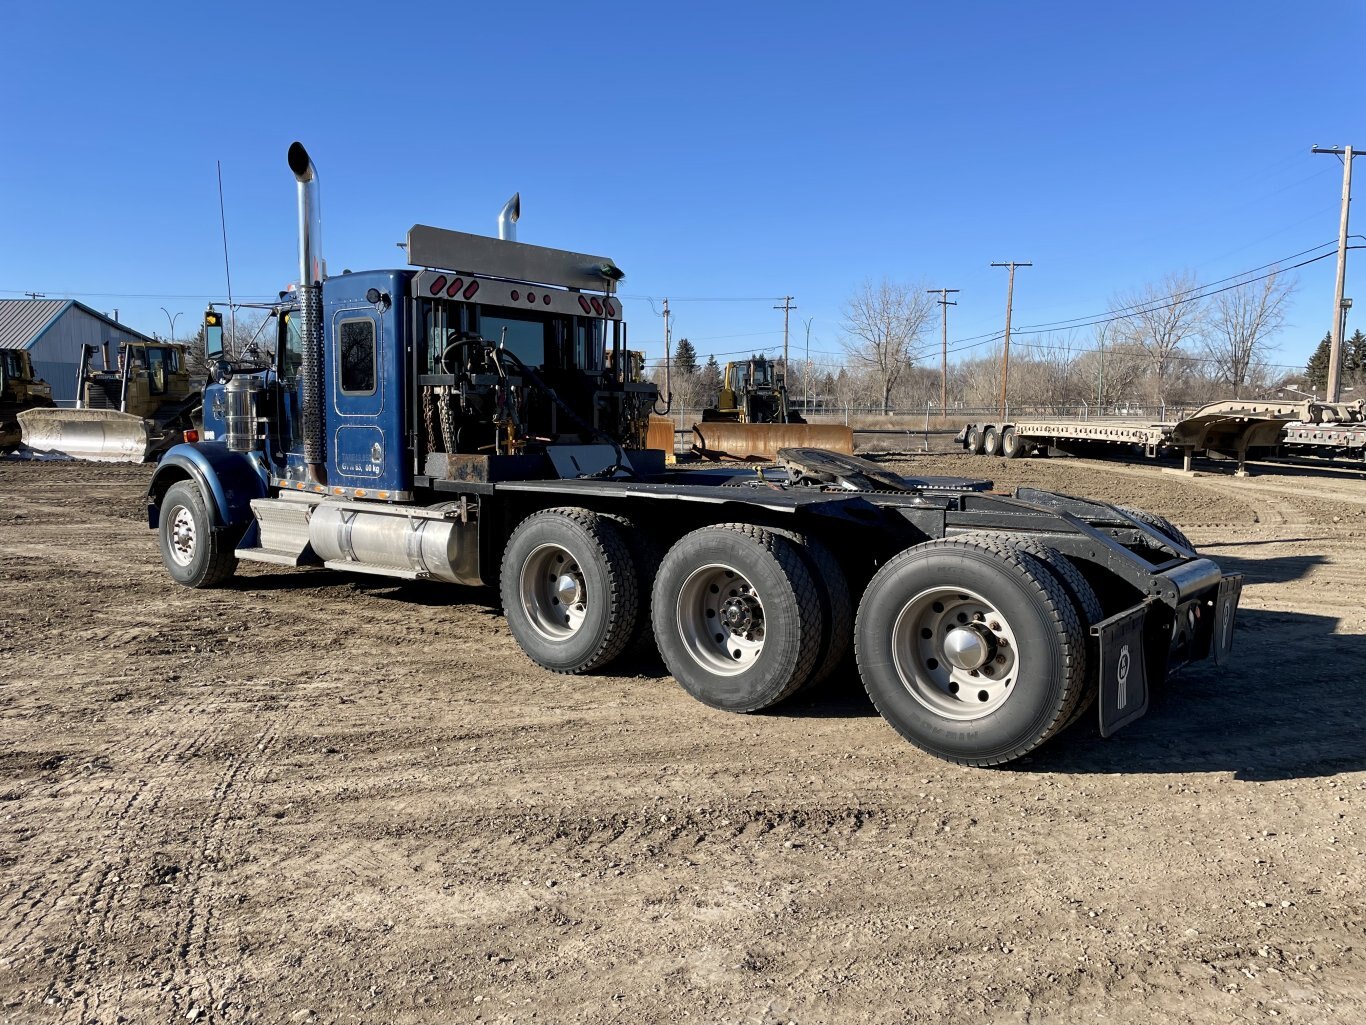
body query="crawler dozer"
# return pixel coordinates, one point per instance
(752, 419)
(20, 389)
(128, 413)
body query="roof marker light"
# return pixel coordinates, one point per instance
(470, 289)
(455, 286)
(584, 303)
(597, 305)
(611, 310)
(438, 284)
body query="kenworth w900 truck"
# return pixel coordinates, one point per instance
(475, 418)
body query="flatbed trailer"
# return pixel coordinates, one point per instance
(1232, 429)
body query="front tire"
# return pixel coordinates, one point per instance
(569, 589)
(194, 551)
(971, 649)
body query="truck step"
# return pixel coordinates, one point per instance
(284, 530)
(271, 555)
(348, 566)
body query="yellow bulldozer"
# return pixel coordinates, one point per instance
(20, 389)
(752, 418)
(126, 413)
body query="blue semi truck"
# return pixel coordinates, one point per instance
(478, 418)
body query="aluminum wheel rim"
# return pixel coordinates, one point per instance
(933, 640)
(182, 536)
(721, 620)
(554, 593)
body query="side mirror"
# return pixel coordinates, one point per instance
(213, 336)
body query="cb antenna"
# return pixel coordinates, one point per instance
(227, 269)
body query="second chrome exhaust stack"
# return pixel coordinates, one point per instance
(508, 217)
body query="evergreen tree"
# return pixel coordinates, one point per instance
(709, 381)
(1354, 354)
(1316, 370)
(685, 358)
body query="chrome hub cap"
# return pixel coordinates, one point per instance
(182, 536)
(553, 593)
(955, 653)
(720, 620)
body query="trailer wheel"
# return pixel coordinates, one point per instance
(195, 552)
(837, 607)
(569, 589)
(971, 649)
(737, 617)
(1161, 524)
(973, 442)
(1011, 445)
(991, 440)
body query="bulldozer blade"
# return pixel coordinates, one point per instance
(660, 435)
(101, 435)
(759, 443)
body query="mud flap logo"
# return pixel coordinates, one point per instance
(1228, 624)
(1122, 671)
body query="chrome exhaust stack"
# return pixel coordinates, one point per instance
(312, 271)
(508, 217)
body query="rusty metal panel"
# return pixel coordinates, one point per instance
(760, 442)
(660, 435)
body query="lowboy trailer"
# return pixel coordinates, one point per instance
(1236, 429)
(475, 419)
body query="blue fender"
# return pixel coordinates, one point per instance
(227, 480)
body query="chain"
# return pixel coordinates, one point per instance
(429, 418)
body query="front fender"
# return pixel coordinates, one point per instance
(227, 480)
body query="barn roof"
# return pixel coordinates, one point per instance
(23, 321)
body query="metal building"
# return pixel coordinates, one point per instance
(53, 331)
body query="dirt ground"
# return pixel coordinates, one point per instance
(314, 797)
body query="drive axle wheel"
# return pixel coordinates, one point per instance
(971, 649)
(737, 617)
(569, 589)
(194, 551)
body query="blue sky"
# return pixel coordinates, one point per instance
(715, 151)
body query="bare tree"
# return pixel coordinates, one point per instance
(1242, 321)
(885, 322)
(1161, 318)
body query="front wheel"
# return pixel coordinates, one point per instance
(194, 551)
(971, 649)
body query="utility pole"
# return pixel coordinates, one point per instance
(945, 302)
(1339, 321)
(806, 371)
(787, 309)
(1010, 301)
(36, 295)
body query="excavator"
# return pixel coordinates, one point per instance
(752, 418)
(127, 413)
(20, 389)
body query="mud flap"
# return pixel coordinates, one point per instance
(1123, 668)
(1225, 610)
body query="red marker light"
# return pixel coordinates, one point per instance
(531, 297)
(611, 310)
(516, 295)
(545, 299)
(584, 303)
(438, 284)
(455, 286)
(470, 289)
(597, 306)
(191, 436)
